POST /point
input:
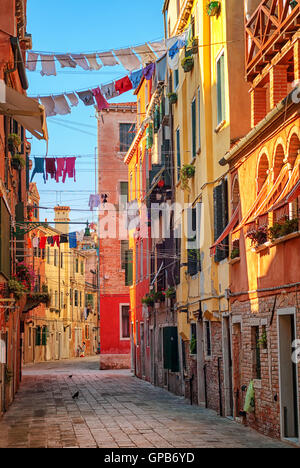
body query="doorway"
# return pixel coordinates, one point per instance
(237, 364)
(227, 357)
(288, 375)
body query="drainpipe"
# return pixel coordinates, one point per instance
(18, 63)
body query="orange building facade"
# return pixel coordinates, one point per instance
(265, 261)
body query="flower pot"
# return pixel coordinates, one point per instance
(213, 8)
(187, 64)
(173, 98)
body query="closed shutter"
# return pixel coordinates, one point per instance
(194, 134)
(193, 254)
(221, 219)
(221, 89)
(44, 336)
(129, 268)
(170, 347)
(5, 263)
(38, 336)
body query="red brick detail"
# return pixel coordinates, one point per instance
(297, 60)
(278, 84)
(258, 105)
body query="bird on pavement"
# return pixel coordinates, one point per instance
(70, 376)
(75, 396)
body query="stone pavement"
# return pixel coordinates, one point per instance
(114, 410)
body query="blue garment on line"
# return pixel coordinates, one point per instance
(135, 78)
(174, 50)
(39, 168)
(73, 240)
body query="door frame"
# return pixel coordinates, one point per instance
(291, 311)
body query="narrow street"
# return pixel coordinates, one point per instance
(114, 410)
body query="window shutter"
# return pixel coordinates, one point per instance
(44, 336)
(38, 336)
(221, 219)
(129, 268)
(170, 347)
(194, 134)
(5, 240)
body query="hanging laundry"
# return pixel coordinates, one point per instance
(94, 201)
(135, 78)
(48, 65)
(35, 242)
(174, 50)
(149, 71)
(60, 165)
(56, 240)
(49, 105)
(145, 54)
(73, 99)
(43, 241)
(109, 91)
(39, 168)
(128, 59)
(81, 61)
(173, 53)
(50, 240)
(86, 97)
(159, 47)
(63, 239)
(100, 99)
(61, 105)
(161, 69)
(92, 59)
(73, 240)
(69, 169)
(29, 243)
(108, 59)
(66, 61)
(31, 62)
(50, 168)
(123, 85)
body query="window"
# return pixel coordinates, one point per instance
(124, 248)
(221, 219)
(82, 268)
(137, 263)
(193, 342)
(127, 133)
(208, 338)
(129, 268)
(142, 260)
(71, 297)
(55, 257)
(77, 265)
(44, 336)
(176, 79)
(76, 298)
(178, 153)
(193, 252)
(48, 255)
(221, 88)
(61, 260)
(38, 336)
(256, 353)
(4, 240)
(125, 322)
(199, 118)
(194, 132)
(56, 299)
(123, 195)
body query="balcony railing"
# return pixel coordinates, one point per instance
(270, 27)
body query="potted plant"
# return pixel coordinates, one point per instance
(235, 252)
(171, 293)
(14, 142)
(16, 288)
(213, 8)
(187, 64)
(18, 161)
(159, 296)
(195, 46)
(258, 235)
(187, 172)
(283, 229)
(172, 98)
(148, 300)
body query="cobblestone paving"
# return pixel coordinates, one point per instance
(114, 410)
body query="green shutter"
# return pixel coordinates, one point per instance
(38, 336)
(178, 153)
(129, 268)
(221, 88)
(170, 346)
(5, 241)
(194, 134)
(44, 336)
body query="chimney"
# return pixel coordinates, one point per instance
(62, 215)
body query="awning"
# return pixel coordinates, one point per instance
(227, 231)
(292, 189)
(26, 111)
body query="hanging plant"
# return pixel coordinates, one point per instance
(186, 173)
(283, 229)
(171, 293)
(193, 345)
(14, 142)
(187, 64)
(148, 300)
(172, 98)
(159, 296)
(195, 46)
(18, 161)
(16, 288)
(213, 8)
(258, 236)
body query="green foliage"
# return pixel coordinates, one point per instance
(148, 300)
(171, 293)
(172, 98)
(193, 345)
(16, 288)
(283, 229)
(235, 253)
(18, 161)
(186, 173)
(187, 64)
(213, 8)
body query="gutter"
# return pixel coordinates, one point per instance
(253, 133)
(19, 63)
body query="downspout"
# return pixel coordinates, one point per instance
(18, 63)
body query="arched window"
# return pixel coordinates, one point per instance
(278, 161)
(262, 171)
(235, 194)
(294, 149)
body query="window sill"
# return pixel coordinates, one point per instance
(220, 126)
(280, 240)
(234, 261)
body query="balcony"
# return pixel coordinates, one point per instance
(268, 30)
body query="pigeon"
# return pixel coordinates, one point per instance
(70, 376)
(75, 396)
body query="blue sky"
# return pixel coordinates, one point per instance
(82, 26)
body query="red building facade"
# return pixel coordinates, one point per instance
(116, 130)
